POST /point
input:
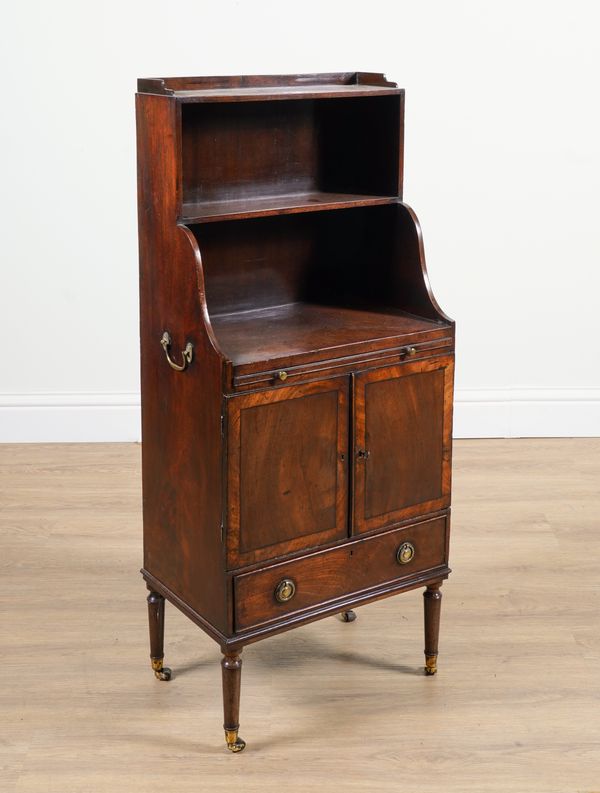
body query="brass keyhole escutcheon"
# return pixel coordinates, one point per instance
(285, 590)
(405, 553)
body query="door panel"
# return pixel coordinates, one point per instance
(287, 470)
(403, 419)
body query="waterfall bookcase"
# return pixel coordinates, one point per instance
(297, 372)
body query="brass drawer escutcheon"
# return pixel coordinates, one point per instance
(405, 553)
(285, 590)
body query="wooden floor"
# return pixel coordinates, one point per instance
(328, 707)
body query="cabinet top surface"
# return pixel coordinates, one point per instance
(278, 332)
(248, 88)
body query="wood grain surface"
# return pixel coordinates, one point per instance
(403, 422)
(515, 705)
(327, 575)
(288, 470)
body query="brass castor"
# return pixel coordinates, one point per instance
(347, 616)
(430, 664)
(234, 743)
(160, 672)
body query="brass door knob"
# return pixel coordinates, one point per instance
(405, 553)
(285, 590)
(283, 376)
(409, 351)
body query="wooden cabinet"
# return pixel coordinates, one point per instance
(297, 371)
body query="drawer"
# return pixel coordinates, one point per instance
(248, 377)
(268, 594)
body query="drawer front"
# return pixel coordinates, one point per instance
(248, 377)
(268, 594)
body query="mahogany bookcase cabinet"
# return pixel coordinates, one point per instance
(297, 372)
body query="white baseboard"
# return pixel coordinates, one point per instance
(527, 413)
(478, 413)
(69, 418)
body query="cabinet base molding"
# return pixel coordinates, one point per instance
(244, 638)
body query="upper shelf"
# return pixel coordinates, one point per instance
(252, 159)
(274, 93)
(291, 204)
(258, 88)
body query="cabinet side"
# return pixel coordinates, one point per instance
(181, 410)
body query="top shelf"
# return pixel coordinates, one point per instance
(260, 88)
(287, 92)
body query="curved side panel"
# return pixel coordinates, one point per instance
(412, 280)
(206, 323)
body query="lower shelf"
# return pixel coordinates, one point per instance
(267, 334)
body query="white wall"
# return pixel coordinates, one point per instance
(502, 166)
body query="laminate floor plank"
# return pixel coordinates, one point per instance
(327, 707)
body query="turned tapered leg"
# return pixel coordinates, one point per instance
(433, 603)
(231, 664)
(156, 621)
(347, 616)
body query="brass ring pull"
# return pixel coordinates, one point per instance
(405, 553)
(186, 355)
(285, 590)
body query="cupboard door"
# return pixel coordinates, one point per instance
(403, 442)
(287, 470)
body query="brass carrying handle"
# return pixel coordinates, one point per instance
(186, 355)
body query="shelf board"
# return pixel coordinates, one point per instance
(314, 201)
(275, 332)
(270, 93)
